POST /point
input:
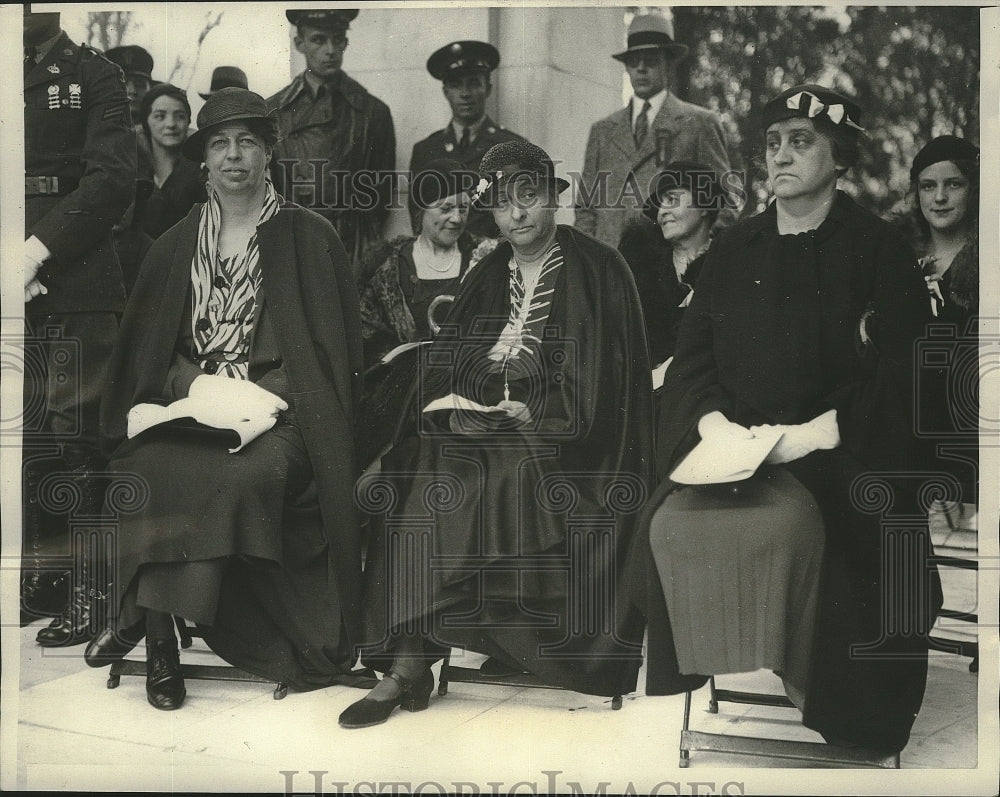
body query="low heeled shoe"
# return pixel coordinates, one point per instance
(164, 683)
(110, 645)
(413, 696)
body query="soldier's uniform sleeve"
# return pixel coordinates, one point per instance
(108, 157)
(586, 217)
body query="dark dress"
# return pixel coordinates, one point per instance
(512, 541)
(660, 291)
(165, 205)
(261, 547)
(772, 336)
(948, 377)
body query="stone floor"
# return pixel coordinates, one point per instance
(73, 733)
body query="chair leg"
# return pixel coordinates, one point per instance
(443, 676)
(713, 697)
(685, 753)
(183, 632)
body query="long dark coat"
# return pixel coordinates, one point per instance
(513, 541)
(312, 306)
(772, 336)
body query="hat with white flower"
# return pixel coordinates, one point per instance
(514, 160)
(812, 101)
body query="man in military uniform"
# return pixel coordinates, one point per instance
(337, 146)
(464, 69)
(80, 168)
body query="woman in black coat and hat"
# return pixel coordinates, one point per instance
(804, 323)
(502, 517)
(667, 255)
(246, 309)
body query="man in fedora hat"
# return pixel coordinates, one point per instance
(224, 77)
(464, 69)
(337, 143)
(626, 149)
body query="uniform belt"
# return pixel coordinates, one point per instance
(35, 186)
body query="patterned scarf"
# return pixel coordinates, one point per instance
(529, 307)
(224, 292)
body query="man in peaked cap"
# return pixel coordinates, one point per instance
(337, 143)
(80, 168)
(464, 69)
(627, 149)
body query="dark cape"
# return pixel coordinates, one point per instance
(509, 540)
(308, 639)
(772, 336)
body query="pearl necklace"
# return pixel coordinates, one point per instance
(424, 257)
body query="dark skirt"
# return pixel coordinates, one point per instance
(740, 565)
(879, 594)
(476, 549)
(234, 542)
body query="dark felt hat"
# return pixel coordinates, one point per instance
(334, 19)
(224, 77)
(812, 101)
(651, 32)
(133, 60)
(943, 148)
(698, 178)
(512, 160)
(464, 56)
(440, 178)
(226, 105)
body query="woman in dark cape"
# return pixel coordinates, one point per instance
(812, 307)
(260, 547)
(505, 530)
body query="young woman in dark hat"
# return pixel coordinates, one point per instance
(804, 322)
(176, 184)
(667, 258)
(486, 546)
(248, 307)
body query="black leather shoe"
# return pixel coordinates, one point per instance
(110, 645)
(43, 595)
(73, 626)
(164, 682)
(413, 696)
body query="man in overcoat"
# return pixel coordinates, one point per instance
(337, 142)
(627, 149)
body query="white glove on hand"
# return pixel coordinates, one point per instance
(799, 440)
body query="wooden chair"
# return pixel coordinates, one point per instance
(813, 752)
(954, 531)
(468, 675)
(196, 672)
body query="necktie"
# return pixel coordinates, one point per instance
(642, 124)
(29, 59)
(464, 141)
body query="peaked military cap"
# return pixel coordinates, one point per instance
(463, 56)
(335, 19)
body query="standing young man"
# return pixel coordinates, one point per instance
(337, 142)
(627, 149)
